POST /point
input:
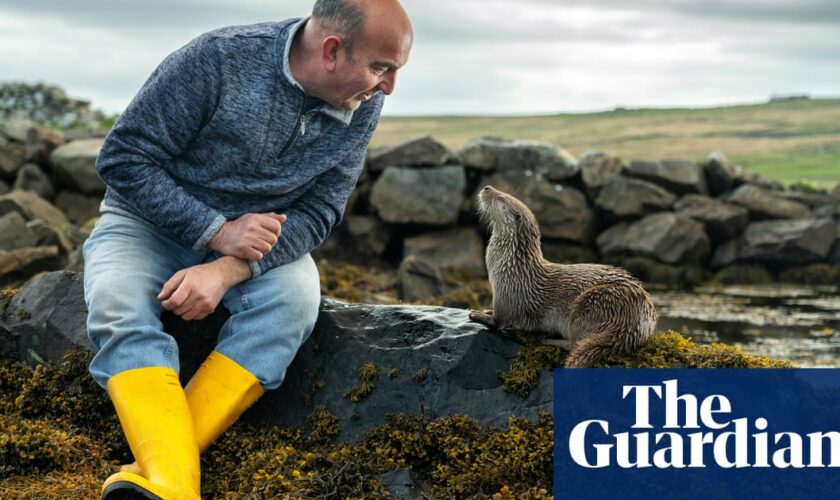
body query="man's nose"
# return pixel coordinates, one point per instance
(389, 81)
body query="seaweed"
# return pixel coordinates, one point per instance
(367, 374)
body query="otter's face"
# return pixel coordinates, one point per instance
(502, 211)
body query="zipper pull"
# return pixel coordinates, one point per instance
(303, 125)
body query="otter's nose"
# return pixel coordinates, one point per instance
(487, 189)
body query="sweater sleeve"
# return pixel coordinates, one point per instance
(311, 218)
(157, 126)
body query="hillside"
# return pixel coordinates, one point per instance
(787, 140)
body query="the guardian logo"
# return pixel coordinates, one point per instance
(716, 429)
(701, 434)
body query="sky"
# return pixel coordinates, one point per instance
(485, 57)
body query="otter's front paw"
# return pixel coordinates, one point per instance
(484, 317)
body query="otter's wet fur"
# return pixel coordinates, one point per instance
(598, 310)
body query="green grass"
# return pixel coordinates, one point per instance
(787, 141)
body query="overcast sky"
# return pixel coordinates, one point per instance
(470, 56)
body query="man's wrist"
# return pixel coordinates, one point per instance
(213, 244)
(234, 270)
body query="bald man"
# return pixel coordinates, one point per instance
(234, 160)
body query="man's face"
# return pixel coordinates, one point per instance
(371, 66)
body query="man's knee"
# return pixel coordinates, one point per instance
(295, 289)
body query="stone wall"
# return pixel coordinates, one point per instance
(49, 196)
(415, 205)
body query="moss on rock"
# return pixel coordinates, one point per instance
(525, 369)
(665, 350)
(743, 274)
(658, 273)
(814, 274)
(672, 350)
(367, 374)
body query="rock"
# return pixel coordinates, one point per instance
(743, 274)
(401, 484)
(725, 254)
(32, 206)
(719, 173)
(74, 165)
(419, 279)
(457, 248)
(835, 192)
(368, 235)
(764, 204)
(47, 316)
(14, 128)
(30, 177)
(82, 133)
(651, 271)
(722, 221)
(78, 207)
(423, 196)
(677, 176)
(4, 188)
(46, 235)
(12, 157)
(461, 359)
(597, 168)
(417, 152)
(492, 154)
(834, 256)
(27, 260)
(561, 211)
(808, 199)
(623, 198)
(40, 142)
(829, 211)
(14, 233)
(668, 237)
(564, 253)
(75, 261)
(784, 242)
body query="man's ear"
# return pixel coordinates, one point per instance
(329, 52)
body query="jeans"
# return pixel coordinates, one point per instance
(128, 260)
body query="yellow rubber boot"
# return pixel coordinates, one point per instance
(219, 392)
(156, 420)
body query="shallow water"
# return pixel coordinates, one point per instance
(799, 324)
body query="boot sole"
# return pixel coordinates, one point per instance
(124, 490)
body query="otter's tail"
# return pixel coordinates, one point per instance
(591, 350)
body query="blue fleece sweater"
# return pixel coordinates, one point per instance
(219, 130)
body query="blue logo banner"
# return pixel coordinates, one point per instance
(696, 434)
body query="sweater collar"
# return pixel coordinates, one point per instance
(342, 115)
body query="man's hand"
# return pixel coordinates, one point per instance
(193, 293)
(249, 237)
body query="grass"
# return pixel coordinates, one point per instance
(787, 141)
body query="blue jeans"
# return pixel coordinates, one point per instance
(128, 260)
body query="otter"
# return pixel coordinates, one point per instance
(598, 310)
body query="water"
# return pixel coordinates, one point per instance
(799, 324)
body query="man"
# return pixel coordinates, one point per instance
(233, 161)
